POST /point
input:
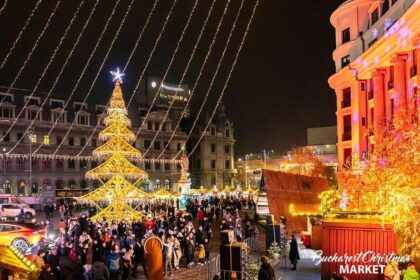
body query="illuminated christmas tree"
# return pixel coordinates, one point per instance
(117, 175)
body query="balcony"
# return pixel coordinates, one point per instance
(346, 136)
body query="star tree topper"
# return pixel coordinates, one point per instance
(117, 76)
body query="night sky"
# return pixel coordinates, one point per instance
(278, 89)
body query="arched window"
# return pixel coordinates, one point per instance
(167, 184)
(83, 184)
(34, 188)
(7, 187)
(72, 184)
(148, 184)
(59, 185)
(21, 187)
(157, 183)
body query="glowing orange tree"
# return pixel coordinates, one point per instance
(392, 174)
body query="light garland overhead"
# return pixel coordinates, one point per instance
(20, 33)
(97, 74)
(210, 48)
(28, 57)
(82, 74)
(46, 98)
(117, 169)
(228, 78)
(3, 7)
(169, 65)
(178, 88)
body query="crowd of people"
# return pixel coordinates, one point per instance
(87, 249)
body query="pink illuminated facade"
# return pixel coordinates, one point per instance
(376, 58)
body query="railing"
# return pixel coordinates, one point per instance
(243, 275)
(210, 269)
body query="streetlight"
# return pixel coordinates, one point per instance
(246, 171)
(4, 169)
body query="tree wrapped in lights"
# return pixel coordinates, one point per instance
(392, 174)
(117, 174)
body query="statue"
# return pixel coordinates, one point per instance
(185, 164)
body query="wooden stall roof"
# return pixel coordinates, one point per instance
(17, 263)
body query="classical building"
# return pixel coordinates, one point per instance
(213, 161)
(65, 168)
(376, 60)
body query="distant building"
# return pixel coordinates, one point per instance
(377, 64)
(66, 170)
(213, 160)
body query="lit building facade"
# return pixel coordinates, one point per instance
(213, 161)
(66, 170)
(376, 59)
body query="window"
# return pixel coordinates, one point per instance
(167, 166)
(150, 125)
(6, 137)
(345, 60)
(393, 2)
(83, 164)
(59, 164)
(227, 164)
(374, 16)
(6, 97)
(156, 145)
(198, 164)
(213, 164)
(213, 180)
(345, 35)
(58, 117)
(34, 163)
(46, 140)
(71, 141)
(72, 184)
(46, 163)
(164, 127)
(82, 142)
(83, 120)
(227, 133)
(20, 137)
(71, 164)
(227, 149)
(178, 146)
(147, 165)
(213, 131)
(6, 113)
(32, 100)
(391, 77)
(157, 166)
(93, 142)
(33, 138)
(385, 7)
(146, 144)
(347, 128)
(156, 126)
(32, 115)
(346, 98)
(157, 183)
(20, 163)
(213, 148)
(79, 106)
(56, 103)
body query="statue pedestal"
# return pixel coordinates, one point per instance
(182, 186)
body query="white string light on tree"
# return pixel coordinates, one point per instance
(43, 74)
(59, 74)
(82, 74)
(35, 8)
(229, 76)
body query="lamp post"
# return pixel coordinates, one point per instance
(4, 169)
(266, 155)
(246, 171)
(30, 157)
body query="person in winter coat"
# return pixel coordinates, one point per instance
(201, 254)
(47, 273)
(99, 271)
(411, 273)
(39, 260)
(139, 258)
(266, 271)
(294, 252)
(169, 249)
(113, 261)
(127, 264)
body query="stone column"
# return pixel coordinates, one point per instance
(400, 80)
(379, 98)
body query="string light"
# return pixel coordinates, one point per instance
(228, 78)
(141, 34)
(144, 69)
(40, 79)
(82, 74)
(214, 75)
(199, 74)
(32, 50)
(152, 52)
(169, 65)
(20, 33)
(97, 74)
(3, 7)
(178, 88)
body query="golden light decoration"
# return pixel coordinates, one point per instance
(116, 171)
(163, 193)
(389, 184)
